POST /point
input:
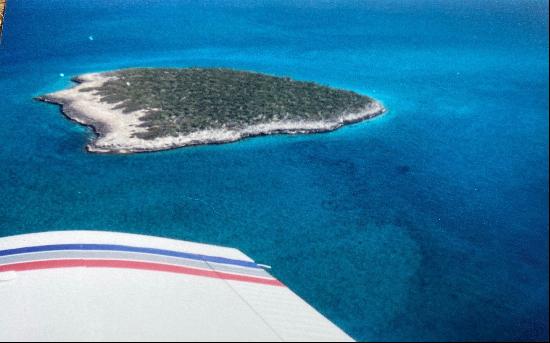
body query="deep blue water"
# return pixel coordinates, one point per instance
(430, 222)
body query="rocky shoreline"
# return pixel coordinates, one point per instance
(115, 130)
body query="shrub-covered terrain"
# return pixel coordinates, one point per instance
(186, 100)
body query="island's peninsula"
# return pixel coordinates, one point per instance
(149, 109)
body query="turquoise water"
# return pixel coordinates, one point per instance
(430, 222)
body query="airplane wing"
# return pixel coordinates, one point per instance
(92, 285)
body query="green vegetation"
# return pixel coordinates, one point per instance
(179, 101)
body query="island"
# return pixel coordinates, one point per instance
(151, 109)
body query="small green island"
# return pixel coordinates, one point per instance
(150, 109)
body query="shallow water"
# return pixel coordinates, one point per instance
(430, 222)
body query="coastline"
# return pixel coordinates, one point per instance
(115, 130)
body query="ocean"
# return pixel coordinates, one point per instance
(427, 223)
